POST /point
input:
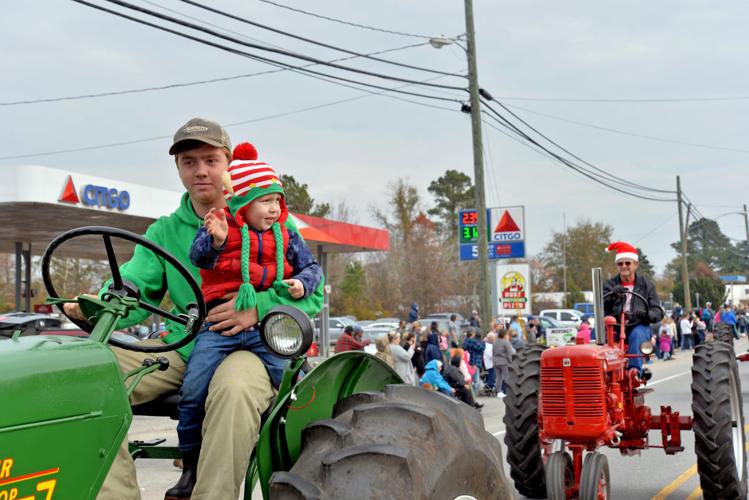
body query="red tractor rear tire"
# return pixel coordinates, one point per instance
(522, 437)
(559, 475)
(595, 480)
(720, 442)
(722, 332)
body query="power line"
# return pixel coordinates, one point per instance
(612, 176)
(282, 52)
(368, 93)
(297, 69)
(656, 228)
(631, 134)
(340, 21)
(314, 42)
(186, 84)
(581, 170)
(575, 168)
(624, 100)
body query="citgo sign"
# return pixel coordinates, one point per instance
(95, 196)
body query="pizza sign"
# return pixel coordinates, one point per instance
(513, 291)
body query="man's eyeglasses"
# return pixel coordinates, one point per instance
(624, 263)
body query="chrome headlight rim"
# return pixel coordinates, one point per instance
(298, 316)
(647, 348)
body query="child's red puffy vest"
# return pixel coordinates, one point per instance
(226, 276)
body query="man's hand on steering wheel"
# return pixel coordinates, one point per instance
(73, 309)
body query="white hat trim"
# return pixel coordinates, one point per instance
(627, 256)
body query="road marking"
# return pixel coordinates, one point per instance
(674, 485)
(683, 478)
(669, 378)
(498, 433)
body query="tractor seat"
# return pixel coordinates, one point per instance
(163, 406)
(166, 406)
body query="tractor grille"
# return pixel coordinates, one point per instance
(587, 395)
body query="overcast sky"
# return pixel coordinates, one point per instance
(351, 151)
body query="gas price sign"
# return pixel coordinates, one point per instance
(468, 226)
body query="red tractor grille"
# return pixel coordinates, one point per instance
(580, 388)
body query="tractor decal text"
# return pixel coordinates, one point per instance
(9, 485)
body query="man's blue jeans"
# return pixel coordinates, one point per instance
(210, 350)
(637, 336)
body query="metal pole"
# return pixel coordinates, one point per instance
(746, 226)
(324, 334)
(564, 257)
(19, 256)
(478, 169)
(598, 306)
(683, 235)
(27, 264)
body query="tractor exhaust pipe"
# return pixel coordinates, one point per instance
(598, 306)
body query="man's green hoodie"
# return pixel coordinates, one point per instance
(154, 277)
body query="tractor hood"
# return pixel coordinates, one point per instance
(63, 414)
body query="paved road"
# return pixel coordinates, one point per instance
(651, 475)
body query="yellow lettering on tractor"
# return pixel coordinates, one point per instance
(48, 486)
(9, 495)
(5, 466)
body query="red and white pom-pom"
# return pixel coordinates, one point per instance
(244, 151)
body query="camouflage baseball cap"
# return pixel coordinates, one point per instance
(200, 129)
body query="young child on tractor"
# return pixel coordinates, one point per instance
(243, 248)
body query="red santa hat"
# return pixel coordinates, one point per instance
(624, 251)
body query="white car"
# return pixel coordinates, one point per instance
(567, 317)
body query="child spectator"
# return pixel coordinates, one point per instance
(433, 378)
(664, 339)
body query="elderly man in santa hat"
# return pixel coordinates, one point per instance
(639, 314)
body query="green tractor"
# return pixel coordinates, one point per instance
(349, 428)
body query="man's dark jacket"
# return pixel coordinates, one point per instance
(639, 313)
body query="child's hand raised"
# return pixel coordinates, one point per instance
(296, 288)
(216, 225)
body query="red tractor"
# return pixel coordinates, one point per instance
(563, 403)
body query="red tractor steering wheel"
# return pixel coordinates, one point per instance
(634, 294)
(197, 311)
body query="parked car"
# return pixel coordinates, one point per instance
(567, 317)
(336, 324)
(28, 323)
(459, 319)
(584, 307)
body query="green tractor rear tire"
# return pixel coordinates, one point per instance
(404, 443)
(720, 442)
(524, 452)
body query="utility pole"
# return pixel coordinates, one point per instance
(683, 235)
(564, 257)
(478, 170)
(746, 226)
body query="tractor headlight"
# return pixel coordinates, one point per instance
(286, 331)
(647, 348)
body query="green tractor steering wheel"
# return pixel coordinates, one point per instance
(197, 311)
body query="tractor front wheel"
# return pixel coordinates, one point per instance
(522, 438)
(595, 482)
(560, 476)
(404, 443)
(718, 426)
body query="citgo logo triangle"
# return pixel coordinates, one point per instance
(506, 224)
(68, 193)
